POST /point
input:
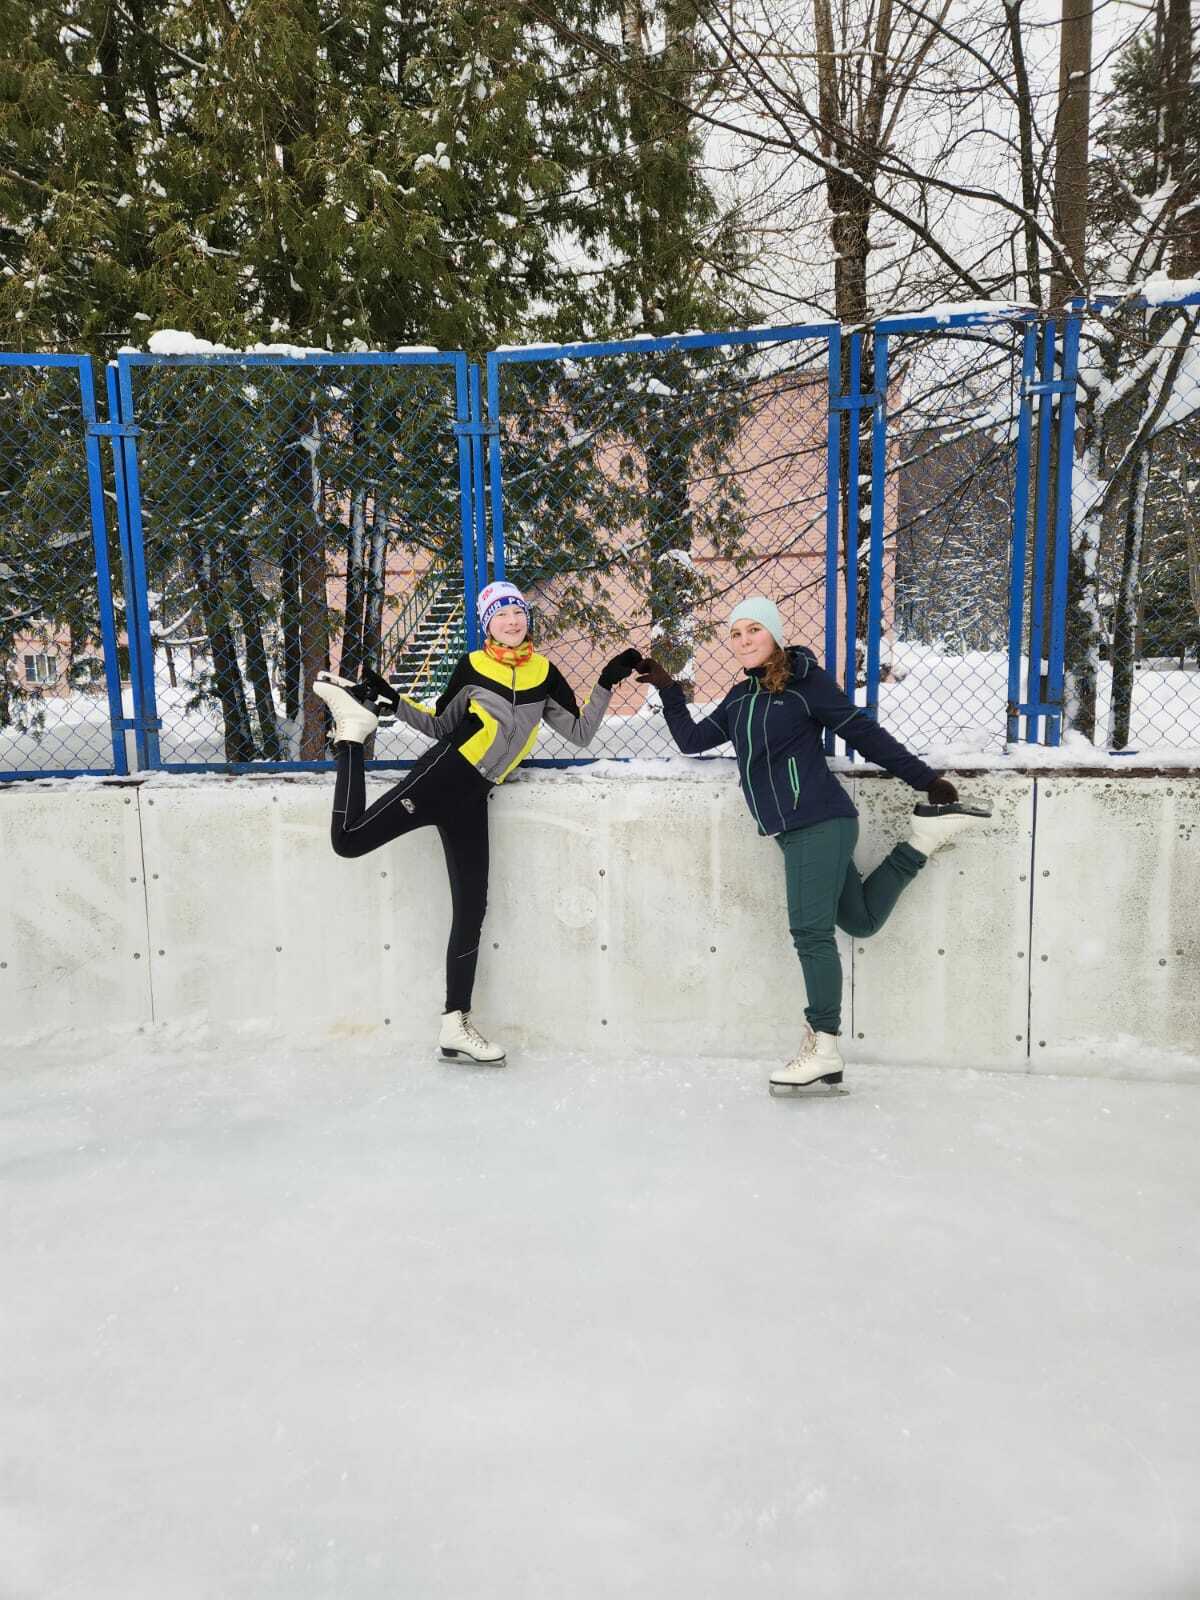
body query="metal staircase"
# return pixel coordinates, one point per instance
(423, 645)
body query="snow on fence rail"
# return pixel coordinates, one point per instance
(987, 525)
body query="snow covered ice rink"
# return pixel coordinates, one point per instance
(288, 1325)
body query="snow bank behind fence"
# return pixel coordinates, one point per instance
(1063, 936)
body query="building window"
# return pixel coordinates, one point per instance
(41, 669)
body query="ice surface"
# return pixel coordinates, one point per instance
(284, 1326)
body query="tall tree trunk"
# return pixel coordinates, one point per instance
(250, 606)
(1083, 622)
(673, 583)
(206, 572)
(1192, 543)
(1181, 162)
(289, 618)
(351, 659)
(853, 154)
(1029, 232)
(1071, 147)
(1082, 650)
(303, 485)
(373, 597)
(7, 641)
(661, 128)
(112, 75)
(1124, 644)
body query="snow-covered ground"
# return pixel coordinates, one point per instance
(282, 1326)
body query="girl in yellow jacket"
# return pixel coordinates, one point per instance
(486, 721)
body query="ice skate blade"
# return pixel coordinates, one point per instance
(462, 1059)
(807, 1091)
(957, 809)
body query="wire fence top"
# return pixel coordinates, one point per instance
(920, 517)
(297, 358)
(934, 320)
(11, 358)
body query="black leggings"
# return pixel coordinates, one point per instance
(443, 791)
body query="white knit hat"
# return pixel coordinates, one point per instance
(761, 610)
(495, 597)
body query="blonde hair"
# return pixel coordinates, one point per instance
(777, 670)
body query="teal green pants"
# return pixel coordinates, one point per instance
(826, 890)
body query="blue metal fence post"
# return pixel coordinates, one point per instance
(108, 631)
(854, 403)
(1020, 534)
(833, 500)
(1041, 507)
(1072, 325)
(495, 464)
(129, 723)
(137, 619)
(468, 440)
(478, 493)
(878, 491)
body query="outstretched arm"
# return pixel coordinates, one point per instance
(692, 737)
(446, 715)
(563, 713)
(834, 710)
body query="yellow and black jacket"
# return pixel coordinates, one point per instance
(492, 713)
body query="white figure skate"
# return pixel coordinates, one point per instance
(815, 1072)
(461, 1040)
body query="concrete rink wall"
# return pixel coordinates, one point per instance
(627, 914)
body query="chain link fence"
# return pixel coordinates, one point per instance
(60, 704)
(1133, 625)
(674, 479)
(982, 542)
(954, 400)
(293, 516)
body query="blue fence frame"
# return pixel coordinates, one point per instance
(849, 403)
(1041, 511)
(468, 431)
(93, 431)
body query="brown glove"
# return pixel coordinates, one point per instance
(942, 792)
(651, 672)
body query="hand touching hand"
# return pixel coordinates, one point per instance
(619, 668)
(649, 671)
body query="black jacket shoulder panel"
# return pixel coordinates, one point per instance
(557, 688)
(459, 679)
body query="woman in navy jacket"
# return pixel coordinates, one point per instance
(776, 718)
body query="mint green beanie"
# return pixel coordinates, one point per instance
(761, 610)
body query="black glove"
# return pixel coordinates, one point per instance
(375, 691)
(619, 668)
(649, 671)
(942, 792)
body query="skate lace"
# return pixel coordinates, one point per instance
(806, 1049)
(472, 1032)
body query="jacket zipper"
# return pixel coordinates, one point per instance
(795, 778)
(750, 753)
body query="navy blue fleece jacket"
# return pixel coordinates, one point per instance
(777, 739)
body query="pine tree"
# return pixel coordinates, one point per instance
(340, 176)
(640, 445)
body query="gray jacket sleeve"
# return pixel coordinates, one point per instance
(434, 724)
(449, 710)
(562, 712)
